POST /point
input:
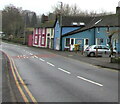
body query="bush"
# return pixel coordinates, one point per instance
(115, 60)
(17, 40)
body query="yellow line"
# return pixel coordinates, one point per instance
(17, 83)
(26, 88)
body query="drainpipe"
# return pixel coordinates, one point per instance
(94, 35)
(61, 38)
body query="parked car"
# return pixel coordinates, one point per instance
(101, 49)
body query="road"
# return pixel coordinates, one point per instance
(54, 78)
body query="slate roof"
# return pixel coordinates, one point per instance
(101, 21)
(47, 24)
(68, 20)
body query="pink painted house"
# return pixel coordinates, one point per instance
(39, 37)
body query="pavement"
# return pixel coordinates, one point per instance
(103, 61)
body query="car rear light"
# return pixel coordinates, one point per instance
(87, 50)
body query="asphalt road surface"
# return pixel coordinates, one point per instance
(54, 78)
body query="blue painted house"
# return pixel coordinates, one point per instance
(96, 31)
(66, 24)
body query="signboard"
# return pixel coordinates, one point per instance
(79, 41)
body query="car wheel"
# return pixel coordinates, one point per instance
(92, 54)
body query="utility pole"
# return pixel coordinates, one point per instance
(24, 41)
(61, 7)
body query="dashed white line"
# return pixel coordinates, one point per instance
(90, 81)
(64, 71)
(41, 59)
(21, 55)
(50, 64)
(31, 54)
(35, 56)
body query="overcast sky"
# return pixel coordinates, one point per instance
(45, 6)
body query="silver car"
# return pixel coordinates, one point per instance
(99, 49)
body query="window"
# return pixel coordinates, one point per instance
(72, 41)
(36, 39)
(108, 29)
(39, 31)
(98, 47)
(101, 40)
(67, 41)
(98, 30)
(43, 40)
(48, 34)
(86, 41)
(104, 47)
(43, 32)
(36, 31)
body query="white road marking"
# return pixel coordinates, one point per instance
(50, 64)
(21, 55)
(89, 81)
(41, 59)
(31, 54)
(64, 71)
(35, 56)
(18, 56)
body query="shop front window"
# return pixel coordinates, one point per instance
(67, 42)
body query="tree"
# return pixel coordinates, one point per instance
(34, 20)
(12, 20)
(74, 10)
(27, 20)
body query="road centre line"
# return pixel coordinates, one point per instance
(90, 81)
(64, 71)
(41, 59)
(50, 64)
(31, 54)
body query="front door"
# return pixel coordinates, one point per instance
(86, 43)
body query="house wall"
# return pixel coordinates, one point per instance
(94, 35)
(43, 38)
(79, 38)
(57, 36)
(39, 37)
(50, 37)
(61, 31)
(103, 34)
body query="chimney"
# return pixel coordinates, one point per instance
(118, 8)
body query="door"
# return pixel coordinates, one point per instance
(72, 42)
(86, 43)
